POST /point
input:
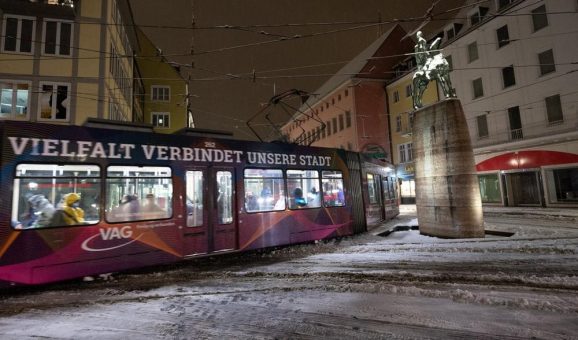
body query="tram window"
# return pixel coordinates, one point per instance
(371, 189)
(303, 188)
(264, 190)
(51, 195)
(135, 193)
(385, 188)
(225, 197)
(392, 193)
(332, 186)
(194, 191)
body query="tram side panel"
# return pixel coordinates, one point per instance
(308, 201)
(34, 253)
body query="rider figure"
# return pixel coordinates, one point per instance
(431, 64)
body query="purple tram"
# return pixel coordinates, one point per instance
(82, 200)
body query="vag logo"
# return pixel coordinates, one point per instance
(110, 234)
(115, 233)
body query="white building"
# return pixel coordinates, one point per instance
(515, 70)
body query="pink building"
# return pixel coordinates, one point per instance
(349, 111)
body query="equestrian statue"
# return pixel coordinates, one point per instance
(431, 65)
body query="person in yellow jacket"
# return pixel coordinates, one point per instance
(72, 213)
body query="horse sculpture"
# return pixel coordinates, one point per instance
(431, 65)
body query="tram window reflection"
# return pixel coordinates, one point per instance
(304, 188)
(264, 190)
(332, 186)
(136, 193)
(51, 195)
(195, 199)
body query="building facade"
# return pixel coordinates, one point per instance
(514, 70)
(165, 93)
(349, 111)
(401, 114)
(64, 61)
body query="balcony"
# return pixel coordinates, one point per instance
(529, 131)
(516, 134)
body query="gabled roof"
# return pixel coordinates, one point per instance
(375, 62)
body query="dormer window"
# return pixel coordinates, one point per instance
(453, 30)
(478, 15)
(503, 3)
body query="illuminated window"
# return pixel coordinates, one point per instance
(303, 187)
(332, 189)
(264, 190)
(161, 119)
(54, 101)
(135, 193)
(14, 100)
(194, 198)
(372, 189)
(50, 195)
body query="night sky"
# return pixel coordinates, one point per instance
(225, 95)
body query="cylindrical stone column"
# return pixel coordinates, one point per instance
(448, 198)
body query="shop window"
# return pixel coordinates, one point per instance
(490, 188)
(135, 193)
(50, 195)
(264, 190)
(332, 189)
(562, 185)
(303, 188)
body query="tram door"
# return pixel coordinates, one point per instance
(211, 224)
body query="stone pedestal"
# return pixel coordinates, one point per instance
(448, 198)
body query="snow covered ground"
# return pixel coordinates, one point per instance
(404, 286)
